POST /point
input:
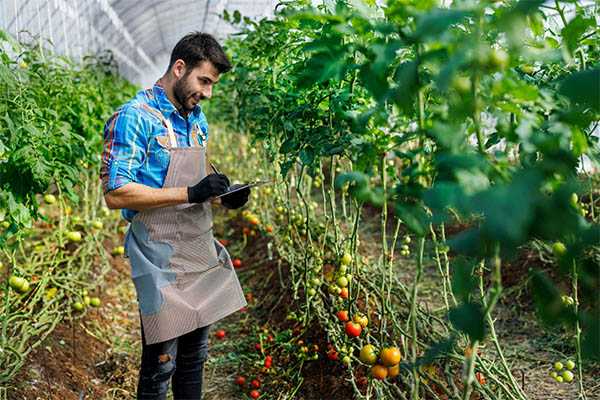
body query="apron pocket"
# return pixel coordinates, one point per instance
(196, 254)
(223, 254)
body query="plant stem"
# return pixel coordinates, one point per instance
(582, 395)
(413, 319)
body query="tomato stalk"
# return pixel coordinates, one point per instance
(413, 319)
(574, 279)
(496, 294)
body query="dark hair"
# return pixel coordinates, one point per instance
(196, 47)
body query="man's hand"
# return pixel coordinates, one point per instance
(211, 185)
(236, 199)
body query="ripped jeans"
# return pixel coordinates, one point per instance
(181, 358)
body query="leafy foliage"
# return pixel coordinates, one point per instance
(52, 113)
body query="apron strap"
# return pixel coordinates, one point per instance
(171, 133)
(167, 124)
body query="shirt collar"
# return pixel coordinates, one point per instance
(164, 104)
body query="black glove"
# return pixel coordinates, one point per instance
(236, 199)
(211, 185)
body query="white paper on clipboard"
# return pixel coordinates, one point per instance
(248, 185)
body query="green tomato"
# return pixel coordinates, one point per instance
(5, 224)
(368, 354)
(528, 69)
(570, 364)
(77, 306)
(461, 84)
(558, 365)
(74, 236)
(333, 288)
(407, 239)
(567, 376)
(574, 200)
(558, 249)
(95, 302)
(346, 360)
(559, 379)
(499, 58)
(118, 251)
(16, 282)
(97, 224)
(342, 281)
(316, 281)
(49, 199)
(311, 291)
(342, 269)
(346, 259)
(86, 300)
(24, 288)
(553, 374)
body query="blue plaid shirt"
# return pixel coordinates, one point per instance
(136, 142)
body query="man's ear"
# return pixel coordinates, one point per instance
(178, 68)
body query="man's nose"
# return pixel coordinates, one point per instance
(207, 92)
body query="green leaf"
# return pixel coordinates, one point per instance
(359, 184)
(435, 22)
(414, 217)
(549, 304)
(7, 37)
(469, 318)
(580, 143)
(590, 346)
(583, 88)
(237, 17)
(574, 30)
(463, 282)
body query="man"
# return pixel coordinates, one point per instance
(154, 167)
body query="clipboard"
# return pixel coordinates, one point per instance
(247, 185)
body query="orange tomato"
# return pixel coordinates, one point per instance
(390, 356)
(379, 371)
(393, 370)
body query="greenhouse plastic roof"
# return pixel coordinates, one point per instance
(141, 33)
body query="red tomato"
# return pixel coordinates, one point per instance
(344, 292)
(257, 347)
(246, 231)
(255, 384)
(223, 242)
(480, 378)
(352, 329)
(333, 355)
(240, 381)
(343, 315)
(221, 334)
(269, 358)
(254, 394)
(362, 380)
(270, 338)
(267, 363)
(237, 263)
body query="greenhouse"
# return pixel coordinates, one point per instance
(300, 199)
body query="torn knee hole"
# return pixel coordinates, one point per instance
(163, 358)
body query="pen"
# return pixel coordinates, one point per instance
(214, 168)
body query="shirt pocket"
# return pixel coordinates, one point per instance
(160, 150)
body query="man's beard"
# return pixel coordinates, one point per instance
(183, 94)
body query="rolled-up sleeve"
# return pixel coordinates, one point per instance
(125, 147)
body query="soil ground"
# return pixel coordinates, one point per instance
(97, 357)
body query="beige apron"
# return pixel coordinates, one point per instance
(184, 278)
